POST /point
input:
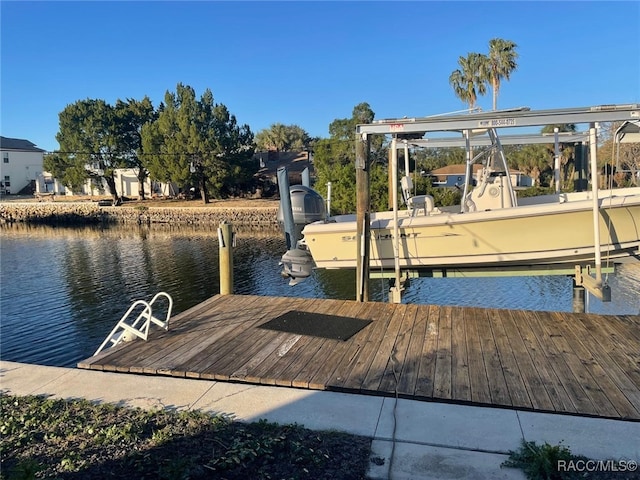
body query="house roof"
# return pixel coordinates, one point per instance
(294, 161)
(458, 169)
(18, 144)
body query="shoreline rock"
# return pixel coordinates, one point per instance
(83, 213)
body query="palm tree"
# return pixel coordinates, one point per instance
(469, 80)
(501, 63)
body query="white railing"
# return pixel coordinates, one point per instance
(126, 330)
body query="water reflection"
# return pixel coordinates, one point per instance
(63, 289)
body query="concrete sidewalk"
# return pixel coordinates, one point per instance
(428, 440)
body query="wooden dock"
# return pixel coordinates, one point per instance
(582, 364)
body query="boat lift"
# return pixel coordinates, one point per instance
(414, 131)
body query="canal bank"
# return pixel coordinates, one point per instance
(82, 213)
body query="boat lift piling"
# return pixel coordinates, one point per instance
(578, 299)
(595, 285)
(363, 216)
(395, 292)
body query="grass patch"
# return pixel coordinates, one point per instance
(556, 462)
(55, 438)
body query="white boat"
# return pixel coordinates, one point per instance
(554, 229)
(492, 227)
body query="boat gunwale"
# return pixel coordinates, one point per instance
(346, 222)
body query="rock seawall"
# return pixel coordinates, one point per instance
(91, 213)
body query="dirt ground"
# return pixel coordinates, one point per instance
(228, 203)
(166, 203)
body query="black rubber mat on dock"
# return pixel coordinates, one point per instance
(316, 325)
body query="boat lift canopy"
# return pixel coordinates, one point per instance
(509, 118)
(485, 141)
(469, 124)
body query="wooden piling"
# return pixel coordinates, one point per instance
(363, 217)
(225, 238)
(578, 299)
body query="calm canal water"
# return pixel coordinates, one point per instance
(63, 289)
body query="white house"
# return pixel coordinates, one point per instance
(127, 185)
(20, 165)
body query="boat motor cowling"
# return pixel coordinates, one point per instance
(307, 206)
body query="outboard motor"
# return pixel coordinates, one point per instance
(297, 265)
(302, 206)
(307, 206)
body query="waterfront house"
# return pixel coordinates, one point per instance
(270, 161)
(127, 185)
(20, 165)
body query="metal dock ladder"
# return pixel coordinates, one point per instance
(126, 330)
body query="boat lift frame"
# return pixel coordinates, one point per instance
(414, 130)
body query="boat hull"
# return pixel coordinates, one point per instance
(547, 230)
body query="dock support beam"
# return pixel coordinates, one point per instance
(595, 286)
(226, 242)
(578, 299)
(395, 293)
(363, 217)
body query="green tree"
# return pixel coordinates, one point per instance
(198, 142)
(63, 167)
(334, 161)
(567, 154)
(130, 117)
(283, 138)
(501, 63)
(533, 160)
(97, 138)
(88, 140)
(469, 80)
(299, 139)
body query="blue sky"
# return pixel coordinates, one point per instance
(307, 63)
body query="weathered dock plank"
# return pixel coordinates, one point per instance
(442, 375)
(547, 333)
(339, 352)
(612, 381)
(555, 390)
(291, 355)
(543, 361)
(512, 375)
(225, 359)
(460, 379)
(384, 355)
(399, 357)
(230, 326)
(318, 349)
(478, 379)
(495, 373)
(358, 373)
(427, 368)
(411, 365)
(529, 373)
